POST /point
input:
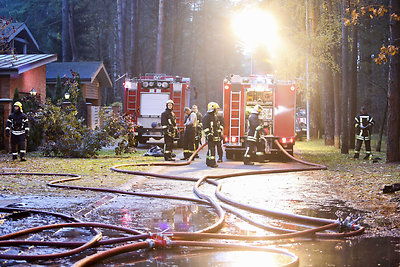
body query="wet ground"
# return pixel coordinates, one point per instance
(296, 193)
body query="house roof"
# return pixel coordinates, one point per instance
(88, 72)
(15, 28)
(17, 64)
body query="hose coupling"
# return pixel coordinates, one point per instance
(151, 242)
(160, 240)
(350, 222)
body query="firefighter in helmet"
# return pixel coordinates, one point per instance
(190, 132)
(17, 124)
(254, 128)
(210, 127)
(168, 122)
(363, 124)
(221, 124)
(199, 127)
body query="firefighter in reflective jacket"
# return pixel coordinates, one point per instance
(221, 124)
(168, 122)
(190, 132)
(17, 124)
(199, 127)
(253, 136)
(210, 127)
(363, 124)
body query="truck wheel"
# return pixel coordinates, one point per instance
(228, 154)
(143, 141)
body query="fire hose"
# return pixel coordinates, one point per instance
(187, 239)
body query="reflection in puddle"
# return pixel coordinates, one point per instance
(184, 218)
(202, 257)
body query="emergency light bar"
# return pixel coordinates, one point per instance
(285, 140)
(233, 140)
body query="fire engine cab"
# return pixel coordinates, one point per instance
(145, 99)
(278, 99)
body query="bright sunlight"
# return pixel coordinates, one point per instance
(255, 27)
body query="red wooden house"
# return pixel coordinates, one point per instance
(25, 72)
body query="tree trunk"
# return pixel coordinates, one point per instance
(177, 24)
(329, 107)
(132, 36)
(337, 105)
(336, 85)
(120, 49)
(205, 50)
(379, 145)
(136, 58)
(393, 122)
(160, 36)
(365, 71)
(120, 40)
(345, 86)
(64, 33)
(125, 39)
(353, 88)
(71, 32)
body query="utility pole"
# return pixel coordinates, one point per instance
(307, 77)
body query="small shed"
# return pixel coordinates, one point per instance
(93, 76)
(17, 38)
(25, 72)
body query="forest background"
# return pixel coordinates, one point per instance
(342, 54)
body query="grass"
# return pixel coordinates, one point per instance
(358, 182)
(95, 172)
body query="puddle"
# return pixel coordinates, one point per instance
(164, 215)
(155, 215)
(200, 258)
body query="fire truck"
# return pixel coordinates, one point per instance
(145, 99)
(278, 99)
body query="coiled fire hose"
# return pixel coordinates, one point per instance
(183, 238)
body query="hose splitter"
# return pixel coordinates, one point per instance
(350, 222)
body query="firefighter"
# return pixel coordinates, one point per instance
(17, 124)
(199, 128)
(168, 122)
(253, 136)
(190, 132)
(221, 124)
(363, 124)
(210, 127)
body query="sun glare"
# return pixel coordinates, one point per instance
(255, 27)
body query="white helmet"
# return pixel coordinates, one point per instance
(169, 102)
(257, 109)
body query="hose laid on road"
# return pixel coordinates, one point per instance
(207, 233)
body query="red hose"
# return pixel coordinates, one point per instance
(206, 233)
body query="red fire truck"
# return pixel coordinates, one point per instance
(145, 99)
(278, 99)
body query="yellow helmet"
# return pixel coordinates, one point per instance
(19, 105)
(212, 106)
(257, 109)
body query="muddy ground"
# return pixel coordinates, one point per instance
(338, 187)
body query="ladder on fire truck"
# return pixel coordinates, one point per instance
(131, 101)
(234, 117)
(177, 98)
